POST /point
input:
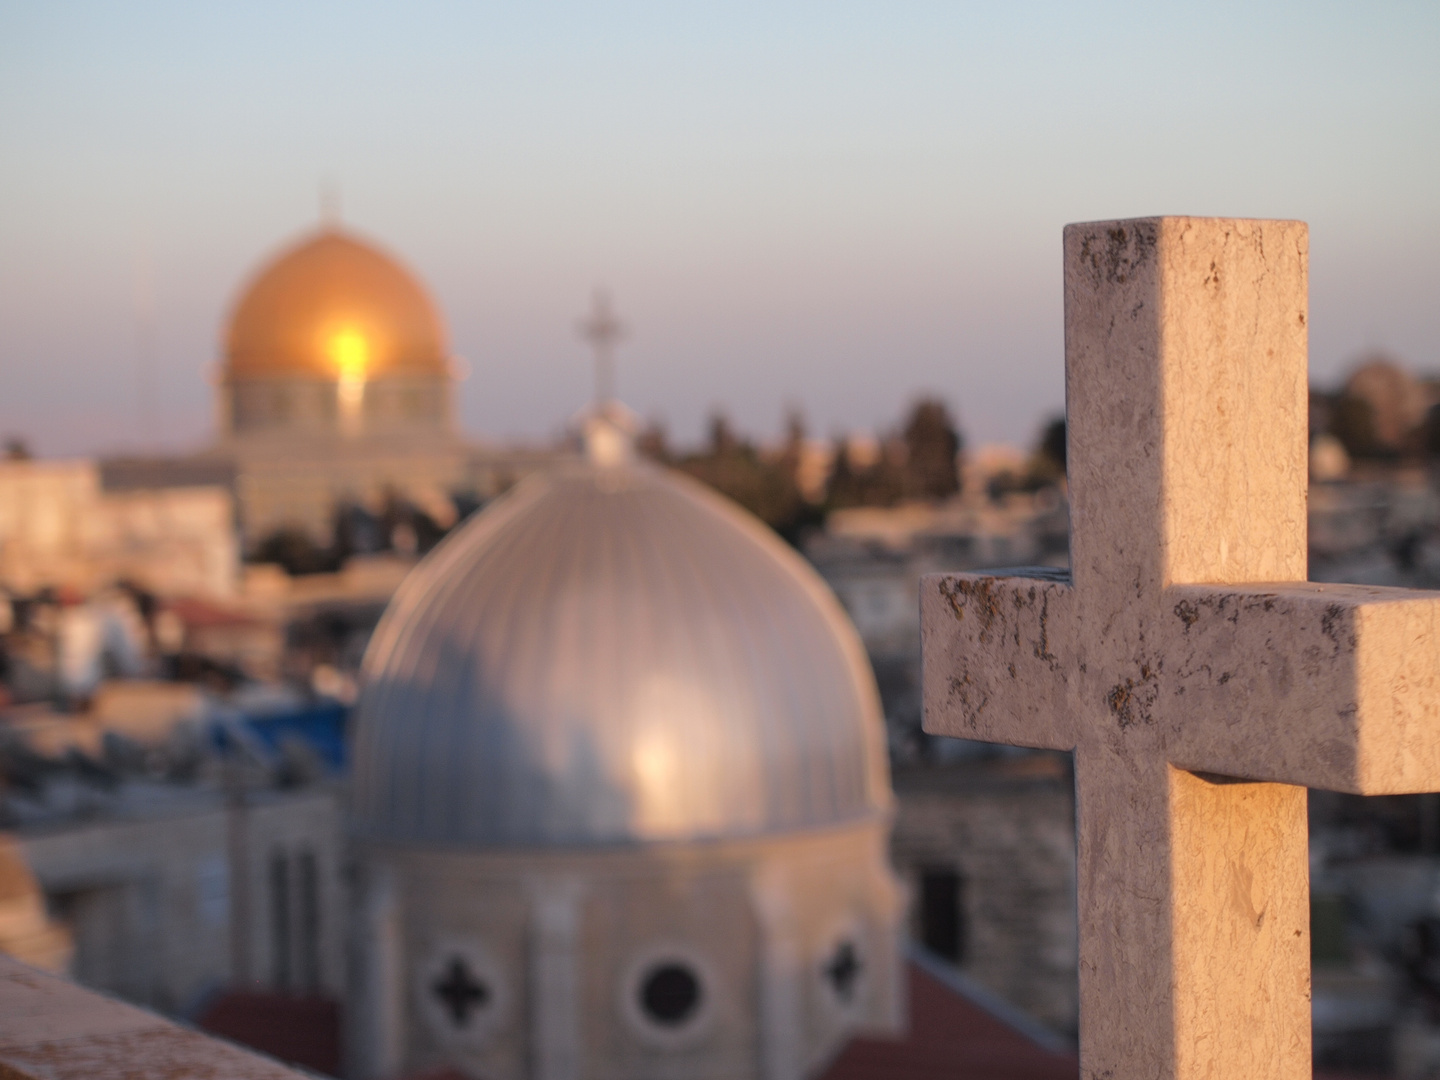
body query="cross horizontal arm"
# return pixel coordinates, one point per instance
(992, 649)
(1327, 686)
(1330, 686)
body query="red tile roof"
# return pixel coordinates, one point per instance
(302, 1031)
(957, 1029)
(201, 614)
(954, 1032)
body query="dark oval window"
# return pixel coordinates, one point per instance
(670, 993)
(843, 971)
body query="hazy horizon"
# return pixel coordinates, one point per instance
(834, 208)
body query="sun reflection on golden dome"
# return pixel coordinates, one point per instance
(351, 353)
(335, 308)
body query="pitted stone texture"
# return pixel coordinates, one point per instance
(1189, 663)
(51, 1029)
(1187, 401)
(1328, 686)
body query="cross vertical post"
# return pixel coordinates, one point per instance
(1200, 681)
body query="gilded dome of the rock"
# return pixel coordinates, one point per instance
(333, 306)
(613, 654)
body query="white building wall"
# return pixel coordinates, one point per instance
(166, 907)
(58, 527)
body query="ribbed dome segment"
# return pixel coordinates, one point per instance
(608, 655)
(333, 302)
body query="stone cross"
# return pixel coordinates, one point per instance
(1201, 682)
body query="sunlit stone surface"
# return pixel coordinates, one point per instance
(1200, 680)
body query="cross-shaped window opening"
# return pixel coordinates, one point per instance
(460, 992)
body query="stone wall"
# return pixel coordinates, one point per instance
(51, 1029)
(1007, 826)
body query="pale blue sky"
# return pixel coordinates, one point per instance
(834, 205)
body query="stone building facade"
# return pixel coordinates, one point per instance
(172, 895)
(529, 963)
(987, 849)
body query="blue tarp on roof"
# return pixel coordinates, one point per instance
(320, 725)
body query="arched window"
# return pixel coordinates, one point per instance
(294, 886)
(308, 940)
(942, 912)
(281, 971)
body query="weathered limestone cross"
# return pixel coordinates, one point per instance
(1199, 680)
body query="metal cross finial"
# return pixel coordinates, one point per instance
(603, 331)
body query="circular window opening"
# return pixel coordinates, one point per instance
(670, 994)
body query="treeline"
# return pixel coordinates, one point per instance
(791, 486)
(1382, 414)
(397, 526)
(794, 485)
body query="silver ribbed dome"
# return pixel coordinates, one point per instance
(613, 654)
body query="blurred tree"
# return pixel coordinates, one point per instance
(763, 484)
(1052, 444)
(1322, 407)
(467, 501)
(843, 488)
(932, 446)
(793, 449)
(794, 427)
(654, 442)
(1431, 432)
(357, 532)
(877, 483)
(1352, 421)
(405, 528)
(294, 550)
(723, 440)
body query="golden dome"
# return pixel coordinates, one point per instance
(334, 307)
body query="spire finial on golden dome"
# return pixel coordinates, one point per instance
(329, 204)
